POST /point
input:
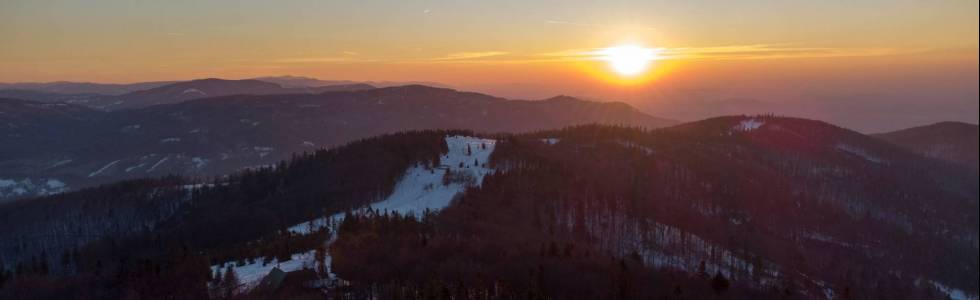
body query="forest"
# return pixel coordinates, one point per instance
(802, 209)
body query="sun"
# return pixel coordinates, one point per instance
(628, 60)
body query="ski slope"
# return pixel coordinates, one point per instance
(421, 188)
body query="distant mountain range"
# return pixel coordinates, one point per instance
(174, 129)
(68, 87)
(309, 82)
(112, 96)
(174, 92)
(956, 142)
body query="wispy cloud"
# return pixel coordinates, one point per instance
(561, 22)
(764, 51)
(733, 52)
(322, 59)
(471, 55)
(730, 52)
(597, 25)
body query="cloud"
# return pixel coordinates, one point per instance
(459, 56)
(323, 59)
(597, 25)
(764, 51)
(356, 57)
(560, 22)
(732, 52)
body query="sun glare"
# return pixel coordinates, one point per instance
(628, 60)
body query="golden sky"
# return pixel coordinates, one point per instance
(510, 48)
(141, 40)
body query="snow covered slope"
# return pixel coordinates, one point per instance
(421, 188)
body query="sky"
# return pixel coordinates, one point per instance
(869, 65)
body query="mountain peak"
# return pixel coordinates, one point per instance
(563, 98)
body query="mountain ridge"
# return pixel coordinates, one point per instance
(956, 142)
(685, 199)
(216, 135)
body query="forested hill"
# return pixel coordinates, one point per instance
(956, 142)
(731, 207)
(792, 207)
(93, 230)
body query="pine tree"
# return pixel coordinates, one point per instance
(230, 282)
(216, 276)
(719, 283)
(702, 270)
(65, 261)
(321, 257)
(3, 273)
(553, 249)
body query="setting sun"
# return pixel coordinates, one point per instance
(628, 60)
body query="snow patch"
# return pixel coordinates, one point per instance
(820, 237)
(633, 145)
(954, 293)
(550, 141)
(6, 183)
(131, 128)
(55, 184)
(249, 121)
(199, 162)
(130, 169)
(194, 91)
(99, 171)
(748, 125)
(170, 140)
(250, 275)
(60, 163)
(263, 151)
(159, 162)
(860, 152)
(26, 187)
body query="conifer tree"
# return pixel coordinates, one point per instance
(229, 283)
(719, 283)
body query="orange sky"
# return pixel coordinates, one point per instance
(756, 49)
